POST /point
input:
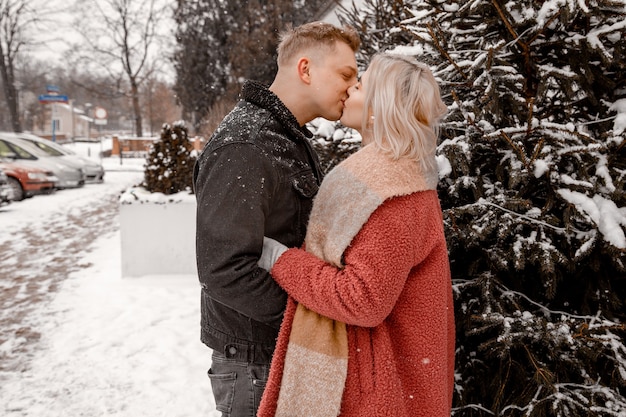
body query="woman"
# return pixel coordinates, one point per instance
(375, 270)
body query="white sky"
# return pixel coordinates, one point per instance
(55, 33)
(331, 17)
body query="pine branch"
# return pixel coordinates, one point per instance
(444, 52)
(538, 148)
(506, 21)
(473, 407)
(543, 29)
(542, 375)
(516, 148)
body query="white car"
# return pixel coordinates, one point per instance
(94, 171)
(68, 175)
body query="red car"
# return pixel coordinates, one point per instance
(27, 181)
(6, 194)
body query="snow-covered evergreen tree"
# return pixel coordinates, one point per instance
(333, 142)
(169, 165)
(533, 166)
(220, 43)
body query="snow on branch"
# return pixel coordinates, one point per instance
(603, 212)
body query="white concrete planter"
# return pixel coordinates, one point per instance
(158, 233)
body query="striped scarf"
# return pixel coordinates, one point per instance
(309, 367)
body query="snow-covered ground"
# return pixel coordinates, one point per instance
(75, 338)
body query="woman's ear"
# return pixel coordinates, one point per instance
(370, 119)
(304, 68)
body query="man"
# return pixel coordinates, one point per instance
(257, 177)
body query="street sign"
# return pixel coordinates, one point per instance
(52, 98)
(100, 113)
(52, 88)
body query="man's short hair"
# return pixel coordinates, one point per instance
(312, 35)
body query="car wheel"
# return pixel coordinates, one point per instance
(18, 191)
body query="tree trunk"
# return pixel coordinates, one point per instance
(134, 91)
(10, 95)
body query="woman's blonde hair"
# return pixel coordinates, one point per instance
(314, 35)
(404, 99)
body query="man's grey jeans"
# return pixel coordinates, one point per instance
(237, 385)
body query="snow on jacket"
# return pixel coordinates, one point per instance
(388, 279)
(256, 177)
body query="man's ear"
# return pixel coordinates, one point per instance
(304, 67)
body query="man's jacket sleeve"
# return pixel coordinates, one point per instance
(234, 186)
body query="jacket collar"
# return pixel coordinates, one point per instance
(258, 94)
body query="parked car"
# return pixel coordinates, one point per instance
(6, 194)
(68, 175)
(94, 171)
(26, 180)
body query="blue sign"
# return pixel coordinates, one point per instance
(52, 98)
(52, 88)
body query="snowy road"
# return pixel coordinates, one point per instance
(42, 241)
(39, 252)
(78, 340)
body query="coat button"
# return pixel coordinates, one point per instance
(232, 350)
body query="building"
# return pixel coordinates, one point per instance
(69, 122)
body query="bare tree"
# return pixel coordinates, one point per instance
(120, 38)
(161, 105)
(15, 18)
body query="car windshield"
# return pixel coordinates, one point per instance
(7, 150)
(27, 147)
(38, 140)
(46, 148)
